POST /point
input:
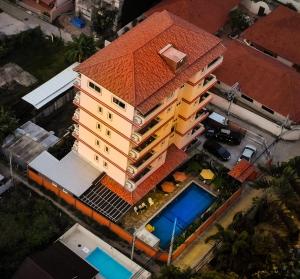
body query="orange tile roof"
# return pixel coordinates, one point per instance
(262, 78)
(243, 171)
(278, 32)
(132, 68)
(174, 158)
(210, 15)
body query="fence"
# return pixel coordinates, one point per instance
(139, 244)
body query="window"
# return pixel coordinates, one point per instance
(96, 158)
(97, 142)
(109, 116)
(105, 164)
(267, 109)
(247, 98)
(94, 86)
(182, 86)
(108, 133)
(100, 109)
(106, 149)
(169, 109)
(98, 126)
(119, 103)
(178, 104)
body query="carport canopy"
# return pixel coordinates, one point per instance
(53, 88)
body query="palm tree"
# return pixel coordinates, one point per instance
(234, 252)
(80, 48)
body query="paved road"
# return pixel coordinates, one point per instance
(121, 246)
(33, 20)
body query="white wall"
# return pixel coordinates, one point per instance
(254, 7)
(257, 120)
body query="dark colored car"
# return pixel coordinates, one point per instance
(217, 150)
(225, 135)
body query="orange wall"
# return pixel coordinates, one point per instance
(150, 251)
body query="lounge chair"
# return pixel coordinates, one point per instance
(150, 201)
(136, 210)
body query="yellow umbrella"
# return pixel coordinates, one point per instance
(179, 176)
(207, 174)
(168, 187)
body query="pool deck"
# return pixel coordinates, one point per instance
(198, 250)
(133, 221)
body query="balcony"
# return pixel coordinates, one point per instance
(75, 133)
(76, 115)
(140, 134)
(214, 64)
(140, 119)
(131, 183)
(205, 99)
(76, 100)
(136, 152)
(201, 114)
(209, 80)
(135, 167)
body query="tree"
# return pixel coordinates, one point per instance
(239, 21)
(80, 48)
(103, 21)
(8, 123)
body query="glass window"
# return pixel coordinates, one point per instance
(100, 109)
(96, 158)
(119, 103)
(108, 133)
(109, 116)
(97, 142)
(94, 86)
(98, 126)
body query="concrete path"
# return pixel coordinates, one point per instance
(199, 249)
(121, 246)
(32, 20)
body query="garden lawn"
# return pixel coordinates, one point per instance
(28, 223)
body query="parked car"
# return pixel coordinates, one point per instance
(248, 153)
(225, 135)
(217, 150)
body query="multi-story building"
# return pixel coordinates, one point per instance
(141, 101)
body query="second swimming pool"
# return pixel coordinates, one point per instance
(189, 205)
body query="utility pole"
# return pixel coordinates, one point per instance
(133, 244)
(10, 168)
(171, 243)
(234, 89)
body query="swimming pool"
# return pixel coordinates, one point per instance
(189, 205)
(107, 266)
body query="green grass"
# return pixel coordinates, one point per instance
(28, 223)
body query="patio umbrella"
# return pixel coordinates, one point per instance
(207, 174)
(179, 176)
(168, 187)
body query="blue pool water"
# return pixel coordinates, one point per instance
(107, 266)
(189, 205)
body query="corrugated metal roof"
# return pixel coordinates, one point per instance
(72, 173)
(54, 87)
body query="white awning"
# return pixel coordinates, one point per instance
(72, 172)
(54, 87)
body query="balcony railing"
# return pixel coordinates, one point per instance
(146, 143)
(76, 100)
(138, 135)
(201, 113)
(140, 119)
(141, 175)
(76, 115)
(75, 133)
(208, 79)
(204, 97)
(144, 159)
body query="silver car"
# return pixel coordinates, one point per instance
(248, 153)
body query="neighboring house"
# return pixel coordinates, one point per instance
(48, 9)
(86, 8)
(109, 261)
(277, 35)
(210, 15)
(26, 143)
(54, 93)
(141, 101)
(56, 262)
(266, 86)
